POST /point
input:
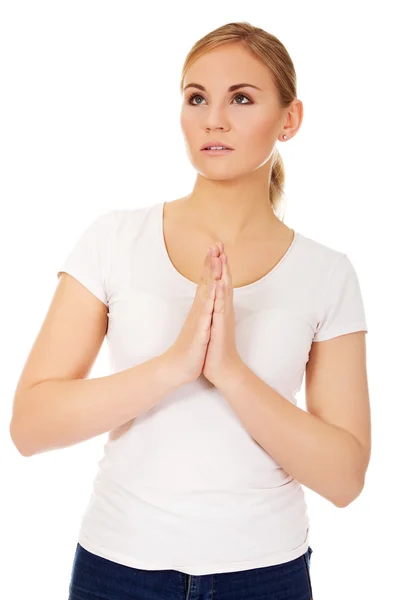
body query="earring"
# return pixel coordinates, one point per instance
(284, 137)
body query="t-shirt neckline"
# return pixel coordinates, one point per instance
(191, 284)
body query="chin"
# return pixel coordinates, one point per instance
(218, 176)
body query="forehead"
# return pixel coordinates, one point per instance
(226, 65)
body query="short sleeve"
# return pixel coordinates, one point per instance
(88, 261)
(343, 309)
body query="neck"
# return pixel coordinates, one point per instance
(232, 210)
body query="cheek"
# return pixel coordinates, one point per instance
(257, 128)
(255, 121)
(259, 137)
(182, 119)
(187, 120)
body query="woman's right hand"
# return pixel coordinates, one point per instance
(187, 354)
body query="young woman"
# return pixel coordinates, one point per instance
(199, 493)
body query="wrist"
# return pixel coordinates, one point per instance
(232, 376)
(169, 370)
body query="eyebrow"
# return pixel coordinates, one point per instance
(231, 89)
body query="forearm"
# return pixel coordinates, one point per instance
(325, 458)
(59, 413)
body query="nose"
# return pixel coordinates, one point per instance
(215, 119)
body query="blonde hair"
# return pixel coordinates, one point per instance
(274, 55)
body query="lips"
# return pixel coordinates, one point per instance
(216, 143)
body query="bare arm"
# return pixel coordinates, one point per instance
(59, 413)
(55, 402)
(327, 448)
(56, 405)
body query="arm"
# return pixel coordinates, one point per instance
(59, 413)
(328, 451)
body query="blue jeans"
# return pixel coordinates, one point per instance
(97, 578)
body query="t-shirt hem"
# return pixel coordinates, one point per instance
(202, 569)
(336, 331)
(83, 279)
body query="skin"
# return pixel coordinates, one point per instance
(235, 184)
(222, 358)
(229, 200)
(328, 447)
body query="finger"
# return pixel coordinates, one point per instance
(220, 246)
(226, 276)
(217, 267)
(219, 300)
(214, 250)
(210, 263)
(205, 278)
(214, 268)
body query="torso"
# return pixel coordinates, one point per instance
(249, 261)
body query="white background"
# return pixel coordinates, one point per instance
(89, 114)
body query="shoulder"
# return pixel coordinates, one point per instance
(130, 220)
(317, 257)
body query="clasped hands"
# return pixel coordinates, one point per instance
(222, 358)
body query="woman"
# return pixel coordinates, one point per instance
(199, 493)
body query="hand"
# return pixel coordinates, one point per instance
(222, 358)
(186, 355)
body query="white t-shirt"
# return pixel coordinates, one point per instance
(186, 487)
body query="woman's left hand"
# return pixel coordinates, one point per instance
(222, 357)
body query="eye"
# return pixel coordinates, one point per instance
(200, 96)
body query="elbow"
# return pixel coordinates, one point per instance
(16, 441)
(352, 483)
(346, 499)
(342, 503)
